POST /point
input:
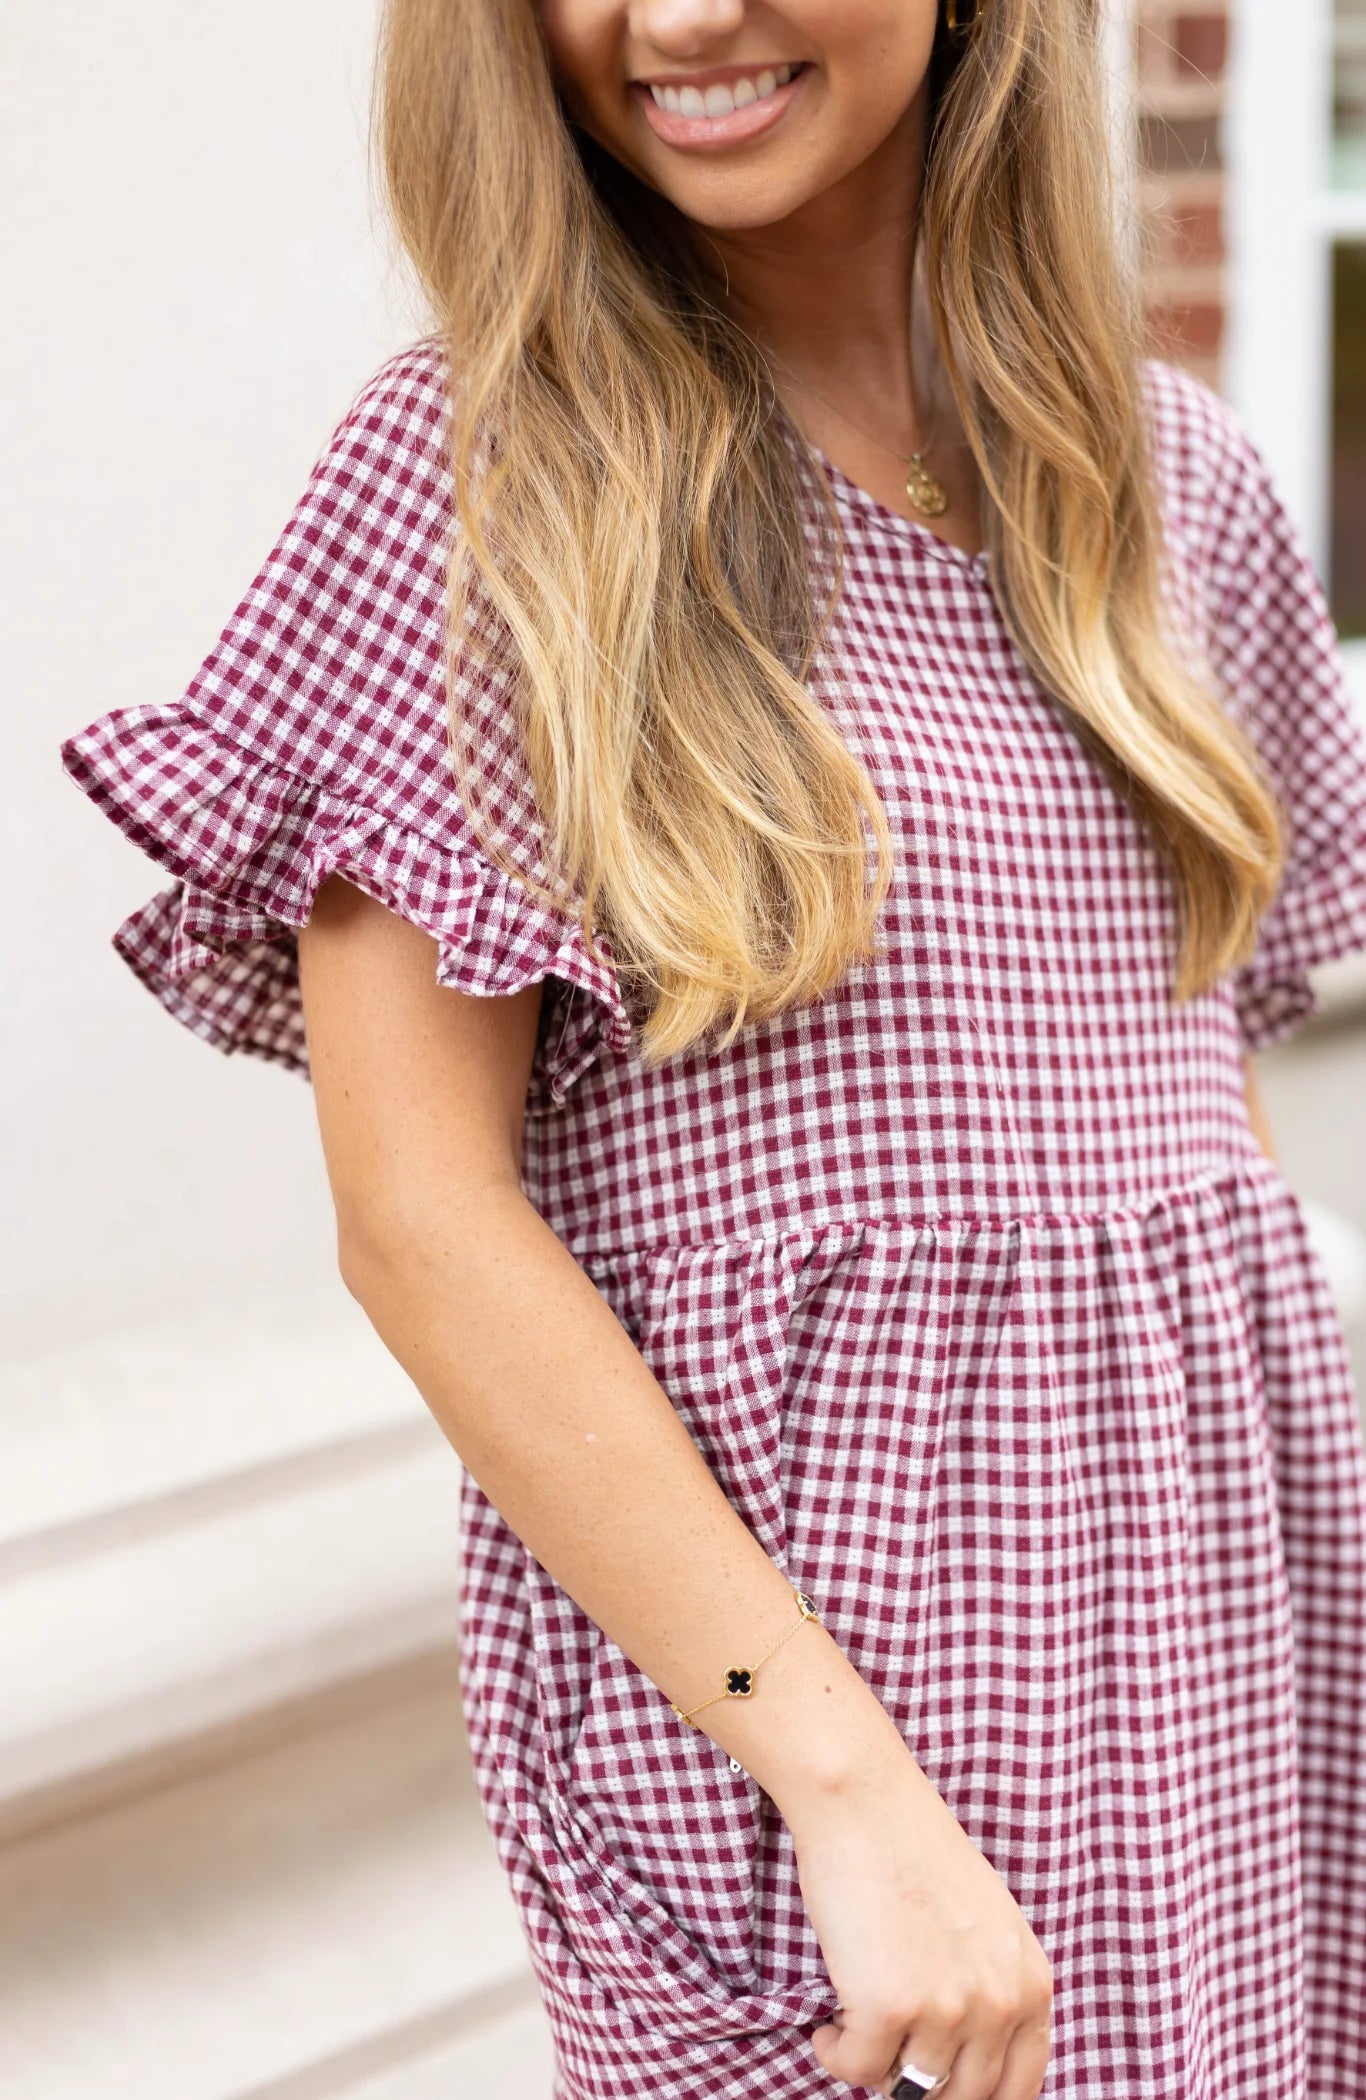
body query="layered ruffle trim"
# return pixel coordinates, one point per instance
(250, 844)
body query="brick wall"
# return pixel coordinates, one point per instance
(1181, 60)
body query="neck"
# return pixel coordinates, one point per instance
(829, 291)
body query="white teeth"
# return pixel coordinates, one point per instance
(722, 101)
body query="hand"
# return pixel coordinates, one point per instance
(932, 1958)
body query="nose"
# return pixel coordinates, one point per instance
(684, 28)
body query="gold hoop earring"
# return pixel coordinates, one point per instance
(961, 16)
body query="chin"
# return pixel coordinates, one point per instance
(740, 203)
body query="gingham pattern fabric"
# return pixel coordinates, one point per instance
(970, 1281)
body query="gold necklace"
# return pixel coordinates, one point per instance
(924, 488)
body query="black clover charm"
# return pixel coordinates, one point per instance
(740, 1683)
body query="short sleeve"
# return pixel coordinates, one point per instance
(1276, 652)
(313, 740)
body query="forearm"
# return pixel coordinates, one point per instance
(553, 1411)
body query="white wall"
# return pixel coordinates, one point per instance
(203, 279)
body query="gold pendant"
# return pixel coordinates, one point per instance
(926, 490)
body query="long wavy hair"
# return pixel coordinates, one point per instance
(629, 510)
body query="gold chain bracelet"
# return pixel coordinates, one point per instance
(740, 1683)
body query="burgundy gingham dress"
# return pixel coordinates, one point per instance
(971, 1282)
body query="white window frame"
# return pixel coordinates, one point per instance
(1283, 219)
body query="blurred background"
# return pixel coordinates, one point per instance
(240, 1853)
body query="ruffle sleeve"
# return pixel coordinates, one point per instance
(312, 741)
(1275, 649)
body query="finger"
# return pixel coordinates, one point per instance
(976, 2068)
(858, 2047)
(927, 2056)
(1026, 2061)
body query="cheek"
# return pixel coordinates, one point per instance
(582, 39)
(881, 30)
(877, 57)
(584, 42)
(870, 85)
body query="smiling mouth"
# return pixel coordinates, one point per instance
(726, 107)
(722, 98)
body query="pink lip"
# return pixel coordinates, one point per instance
(694, 134)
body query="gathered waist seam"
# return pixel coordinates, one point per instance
(1255, 1167)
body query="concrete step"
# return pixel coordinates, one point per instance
(510, 2058)
(126, 1651)
(208, 1525)
(210, 1396)
(325, 1917)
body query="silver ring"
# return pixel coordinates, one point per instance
(915, 2084)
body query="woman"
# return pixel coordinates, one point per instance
(784, 1077)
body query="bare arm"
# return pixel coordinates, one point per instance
(1255, 1109)
(541, 1391)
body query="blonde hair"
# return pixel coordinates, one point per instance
(630, 511)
